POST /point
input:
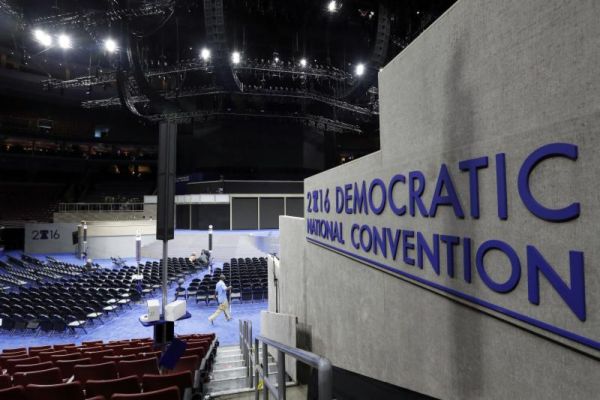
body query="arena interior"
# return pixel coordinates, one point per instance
(299, 199)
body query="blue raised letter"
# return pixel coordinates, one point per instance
(395, 209)
(451, 199)
(548, 151)
(450, 241)
(407, 246)
(515, 266)
(415, 193)
(432, 255)
(472, 166)
(573, 296)
(501, 185)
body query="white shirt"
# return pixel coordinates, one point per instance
(221, 290)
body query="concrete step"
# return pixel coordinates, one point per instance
(233, 372)
(215, 387)
(293, 392)
(228, 350)
(219, 365)
(229, 373)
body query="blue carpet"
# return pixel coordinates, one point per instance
(126, 324)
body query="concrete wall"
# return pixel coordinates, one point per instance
(282, 328)
(488, 77)
(117, 238)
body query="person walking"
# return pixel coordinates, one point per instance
(221, 293)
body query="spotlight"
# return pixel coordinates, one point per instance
(360, 69)
(42, 38)
(303, 62)
(332, 6)
(236, 57)
(110, 45)
(205, 54)
(64, 41)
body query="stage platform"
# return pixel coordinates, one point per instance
(226, 244)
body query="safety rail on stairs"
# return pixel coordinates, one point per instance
(246, 348)
(261, 371)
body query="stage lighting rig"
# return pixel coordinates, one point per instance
(64, 41)
(101, 18)
(110, 45)
(235, 57)
(359, 70)
(42, 37)
(333, 6)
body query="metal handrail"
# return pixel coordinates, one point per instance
(323, 365)
(100, 207)
(246, 348)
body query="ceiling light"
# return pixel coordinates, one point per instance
(236, 57)
(64, 41)
(42, 38)
(205, 54)
(110, 45)
(360, 69)
(332, 6)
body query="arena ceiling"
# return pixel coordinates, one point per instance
(315, 60)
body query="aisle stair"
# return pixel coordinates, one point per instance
(229, 374)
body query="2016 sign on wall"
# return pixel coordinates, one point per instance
(45, 234)
(440, 259)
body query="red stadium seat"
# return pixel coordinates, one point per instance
(34, 351)
(97, 356)
(45, 377)
(116, 348)
(12, 362)
(67, 366)
(135, 350)
(47, 355)
(195, 351)
(33, 367)
(61, 391)
(62, 346)
(103, 371)
(187, 363)
(171, 393)
(138, 367)
(149, 354)
(89, 348)
(11, 356)
(72, 356)
(107, 388)
(13, 393)
(182, 380)
(119, 358)
(15, 350)
(5, 382)
(124, 341)
(92, 343)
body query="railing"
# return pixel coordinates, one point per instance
(246, 347)
(100, 207)
(323, 365)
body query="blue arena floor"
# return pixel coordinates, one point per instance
(126, 324)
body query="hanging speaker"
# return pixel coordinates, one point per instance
(167, 141)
